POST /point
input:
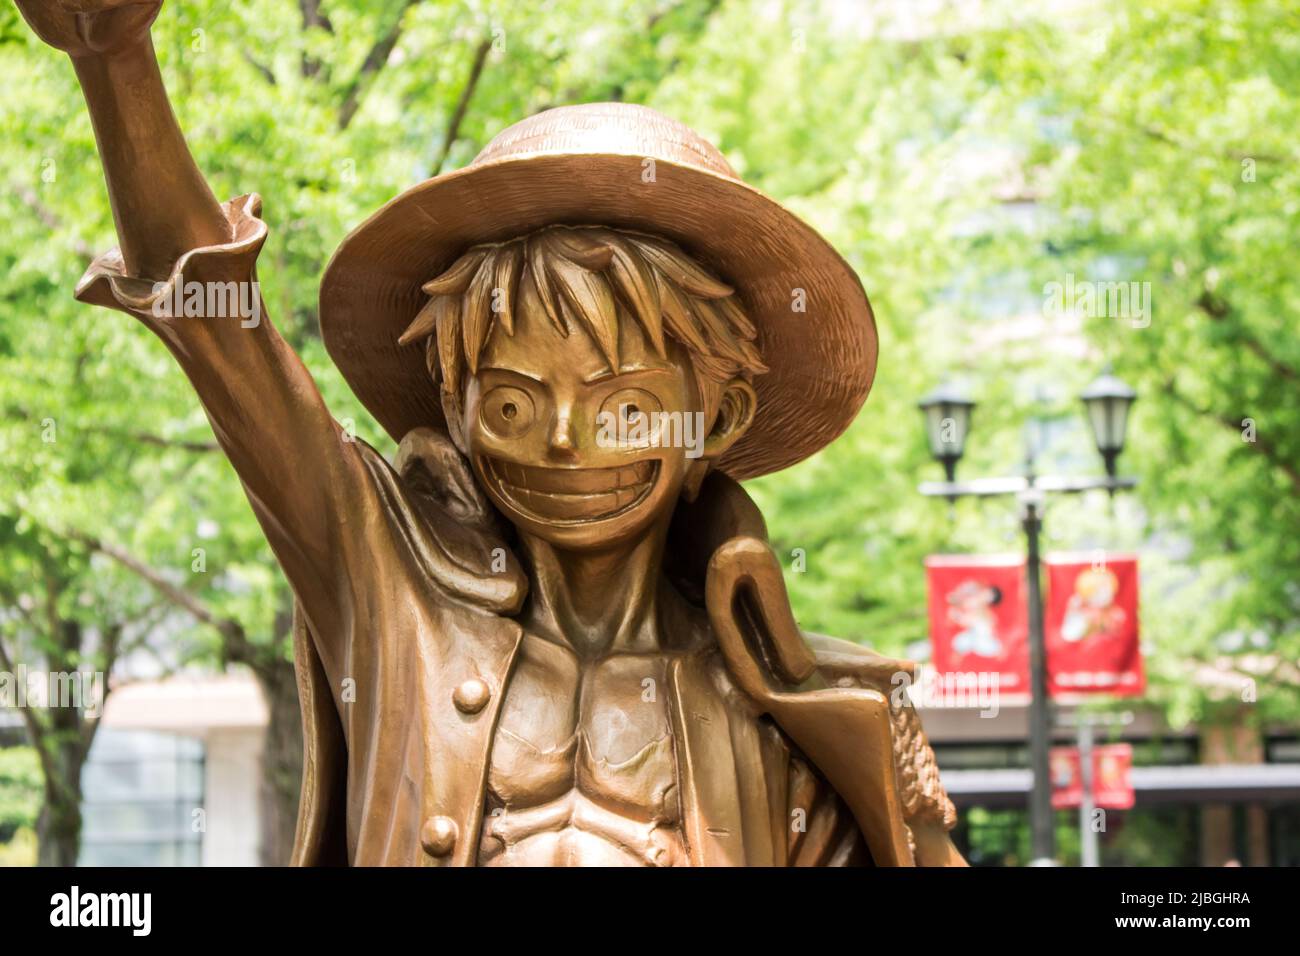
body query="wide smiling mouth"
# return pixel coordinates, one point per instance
(572, 495)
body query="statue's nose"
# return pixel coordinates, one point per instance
(561, 446)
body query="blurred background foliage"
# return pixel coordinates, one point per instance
(960, 155)
(20, 789)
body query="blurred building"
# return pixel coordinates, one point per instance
(173, 776)
(1203, 797)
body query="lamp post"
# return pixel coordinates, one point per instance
(1089, 850)
(947, 421)
(1107, 400)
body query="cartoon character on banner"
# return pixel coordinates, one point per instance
(1092, 610)
(1062, 769)
(971, 606)
(1110, 772)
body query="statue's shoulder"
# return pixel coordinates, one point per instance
(841, 660)
(429, 495)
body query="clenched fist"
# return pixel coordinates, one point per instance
(86, 27)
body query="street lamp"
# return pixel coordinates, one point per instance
(947, 420)
(1107, 401)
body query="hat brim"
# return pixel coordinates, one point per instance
(820, 344)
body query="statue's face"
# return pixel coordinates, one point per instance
(538, 419)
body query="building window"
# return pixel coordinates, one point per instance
(143, 800)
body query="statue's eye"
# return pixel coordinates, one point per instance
(634, 408)
(507, 411)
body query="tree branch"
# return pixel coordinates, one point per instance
(144, 438)
(160, 442)
(50, 220)
(1260, 444)
(372, 64)
(259, 66)
(312, 16)
(462, 104)
(235, 641)
(112, 640)
(34, 729)
(1219, 309)
(1178, 141)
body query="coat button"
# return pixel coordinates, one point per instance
(471, 696)
(438, 835)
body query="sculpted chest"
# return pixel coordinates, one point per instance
(583, 769)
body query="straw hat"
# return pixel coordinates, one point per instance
(626, 166)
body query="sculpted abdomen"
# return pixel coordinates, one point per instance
(532, 754)
(626, 760)
(583, 770)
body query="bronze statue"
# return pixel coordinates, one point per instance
(552, 631)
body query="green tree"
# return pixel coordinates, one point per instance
(1161, 140)
(20, 786)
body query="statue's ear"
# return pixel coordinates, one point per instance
(736, 409)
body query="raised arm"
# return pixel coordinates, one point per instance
(161, 203)
(305, 479)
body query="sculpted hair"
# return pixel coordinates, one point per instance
(588, 278)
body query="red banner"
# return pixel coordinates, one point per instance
(1067, 777)
(977, 617)
(1091, 626)
(1112, 786)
